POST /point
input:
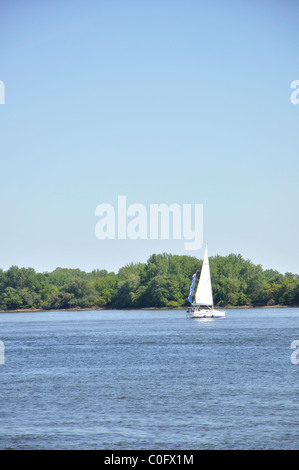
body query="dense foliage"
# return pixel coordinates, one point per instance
(161, 282)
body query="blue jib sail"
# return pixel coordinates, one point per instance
(191, 288)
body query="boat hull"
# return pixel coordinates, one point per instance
(205, 313)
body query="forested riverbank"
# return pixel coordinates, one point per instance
(162, 282)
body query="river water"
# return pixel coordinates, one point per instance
(149, 380)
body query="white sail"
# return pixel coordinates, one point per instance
(203, 294)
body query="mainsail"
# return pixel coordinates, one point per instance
(203, 294)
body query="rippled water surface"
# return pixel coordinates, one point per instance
(149, 380)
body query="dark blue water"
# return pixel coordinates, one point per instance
(149, 380)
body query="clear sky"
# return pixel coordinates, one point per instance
(161, 101)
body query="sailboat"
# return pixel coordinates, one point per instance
(203, 307)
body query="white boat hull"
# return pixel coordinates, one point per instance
(205, 313)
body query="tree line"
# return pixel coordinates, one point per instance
(162, 282)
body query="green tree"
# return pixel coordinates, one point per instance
(106, 288)
(11, 299)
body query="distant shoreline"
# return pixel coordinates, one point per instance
(91, 309)
(163, 280)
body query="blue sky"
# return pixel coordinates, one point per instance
(161, 101)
